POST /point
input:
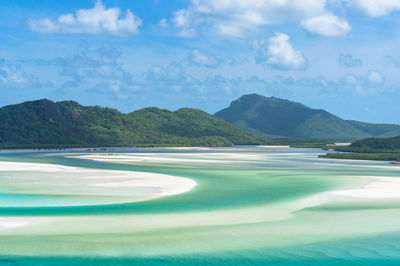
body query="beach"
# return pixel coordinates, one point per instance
(159, 205)
(90, 186)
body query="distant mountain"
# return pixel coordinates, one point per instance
(68, 123)
(278, 118)
(377, 130)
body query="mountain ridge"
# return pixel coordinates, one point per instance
(66, 123)
(280, 118)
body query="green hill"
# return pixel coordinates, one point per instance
(377, 144)
(278, 118)
(69, 124)
(377, 130)
(383, 149)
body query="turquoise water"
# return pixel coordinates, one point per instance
(251, 205)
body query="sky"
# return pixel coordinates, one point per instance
(339, 55)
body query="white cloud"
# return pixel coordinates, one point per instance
(95, 70)
(163, 23)
(364, 85)
(181, 20)
(375, 77)
(229, 30)
(99, 19)
(9, 75)
(12, 75)
(174, 74)
(280, 54)
(327, 25)
(187, 33)
(235, 17)
(199, 59)
(169, 78)
(376, 8)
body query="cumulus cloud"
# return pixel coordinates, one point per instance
(90, 63)
(371, 83)
(13, 76)
(199, 59)
(172, 74)
(93, 69)
(348, 60)
(327, 25)
(169, 78)
(365, 84)
(376, 8)
(280, 54)
(10, 73)
(235, 17)
(182, 19)
(98, 19)
(175, 77)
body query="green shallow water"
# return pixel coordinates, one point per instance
(251, 205)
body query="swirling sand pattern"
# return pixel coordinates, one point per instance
(242, 205)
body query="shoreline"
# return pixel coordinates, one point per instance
(379, 187)
(373, 188)
(93, 186)
(72, 147)
(392, 158)
(111, 148)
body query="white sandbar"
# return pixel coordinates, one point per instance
(49, 179)
(14, 222)
(379, 188)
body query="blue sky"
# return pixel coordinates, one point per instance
(339, 55)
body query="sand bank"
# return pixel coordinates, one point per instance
(91, 185)
(274, 146)
(16, 166)
(215, 158)
(373, 188)
(14, 222)
(165, 184)
(378, 188)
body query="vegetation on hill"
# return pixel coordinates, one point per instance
(377, 130)
(44, 123)
(278, 118)
(387, 149)
(364, 156)
(378, 143)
